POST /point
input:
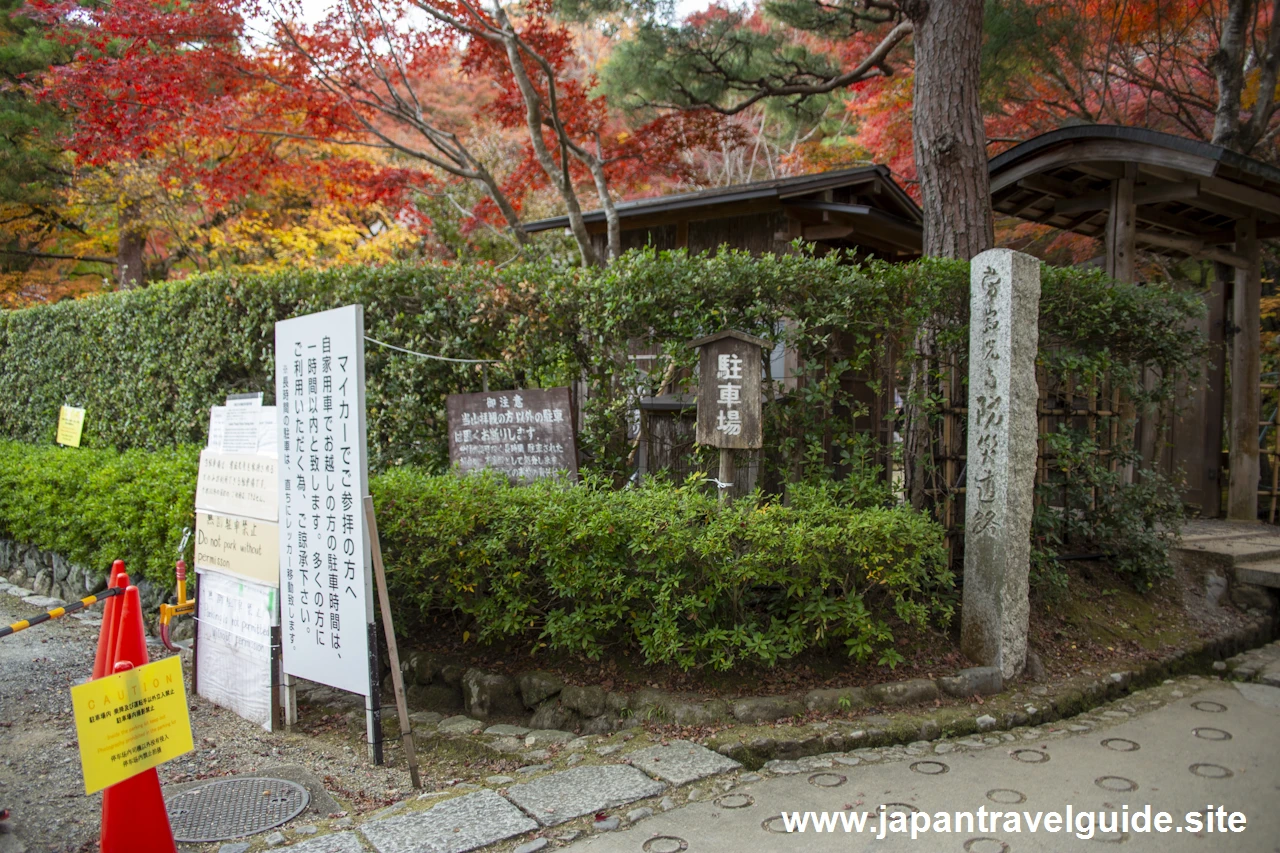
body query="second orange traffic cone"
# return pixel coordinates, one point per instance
(134, 818)
(102, 662)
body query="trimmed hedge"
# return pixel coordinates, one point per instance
(146, 365)
(96, 506)
(664, 570)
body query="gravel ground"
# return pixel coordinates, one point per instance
(40, 781)
(42, 786)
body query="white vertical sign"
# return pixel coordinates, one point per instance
(325, 584)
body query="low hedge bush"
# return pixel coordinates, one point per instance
(662, 569)
(96, 506)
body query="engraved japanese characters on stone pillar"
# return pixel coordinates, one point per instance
(1004, 307)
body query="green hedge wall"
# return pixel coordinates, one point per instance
(146, 365)
(663, 570)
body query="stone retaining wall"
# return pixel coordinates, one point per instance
(546, 702)
(541, 700)
(50, 574)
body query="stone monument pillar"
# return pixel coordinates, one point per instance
(1004, 307)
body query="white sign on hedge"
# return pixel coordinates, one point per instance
(325, 584)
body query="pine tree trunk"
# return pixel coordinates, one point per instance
(955, 190)
(950, 143)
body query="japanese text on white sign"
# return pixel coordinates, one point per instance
(324, 581)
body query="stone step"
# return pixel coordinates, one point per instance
(1214, 528)
(1249, 532)
(1262, 573)
(1233, 551)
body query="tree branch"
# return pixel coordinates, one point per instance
(872, 66)
(54, 256)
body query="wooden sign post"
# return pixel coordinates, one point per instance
(730, 373)
(393, 651)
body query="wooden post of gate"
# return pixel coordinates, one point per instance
(397, 677)
(730, 373)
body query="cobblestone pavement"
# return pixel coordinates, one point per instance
(1213, 744)
(1188, 745)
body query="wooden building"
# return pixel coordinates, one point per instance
(861, 209)
(1133, 188)
(1137, 188)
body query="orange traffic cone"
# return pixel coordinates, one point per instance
(130, 640)
(110, 617)
(134, 819)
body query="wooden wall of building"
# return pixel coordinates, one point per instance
(752, 232)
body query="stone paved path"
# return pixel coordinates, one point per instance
(1215, 746)
(1177, 748)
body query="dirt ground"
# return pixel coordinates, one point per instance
(40, 779)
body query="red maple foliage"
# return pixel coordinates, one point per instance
(183, 86)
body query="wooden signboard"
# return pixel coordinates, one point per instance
(241, 484)
(526, 434)
(730, 373)
(246, 547)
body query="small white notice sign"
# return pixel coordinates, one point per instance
(233, 655)
(237, 484)
(267, 430)
(217, 428)
(325, 583)
(240, 433)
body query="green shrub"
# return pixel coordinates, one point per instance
(96, 506)
(662, 568)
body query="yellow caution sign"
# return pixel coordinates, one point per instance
(130, 722)
(70, 425)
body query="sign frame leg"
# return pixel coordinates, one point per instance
(289, 698)
(397, 676)
(373, 700)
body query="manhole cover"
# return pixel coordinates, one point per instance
(232, 808)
